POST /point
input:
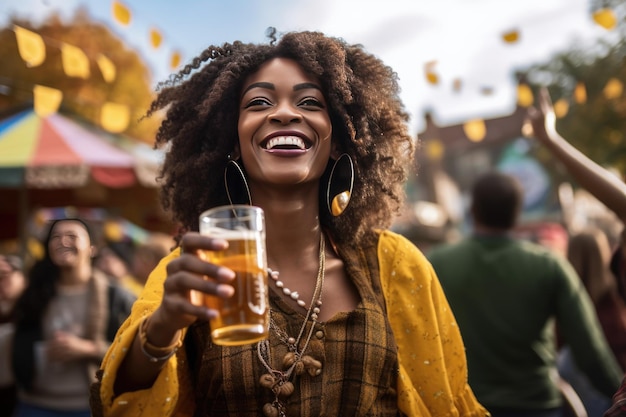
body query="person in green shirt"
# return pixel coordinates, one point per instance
(507, 294)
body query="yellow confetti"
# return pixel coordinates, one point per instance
(434, 149)
(510, 36)
(114, 117)
(155, 38)
(75, 62)
(613, 89)
(121, 13)
(429, 71)
(175, 60)
(605, 18)
(475, 130)
(457, 84)
(525, 96)
(46, 100)
(35, 248)
(113, 231)
(580, 93)
(30, 46)
(561, 107)
(432, 78)
(107, 68)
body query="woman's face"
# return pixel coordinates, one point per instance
(284, 127)
(69, 244)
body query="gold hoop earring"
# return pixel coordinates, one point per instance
(233, 174)
(340, 182)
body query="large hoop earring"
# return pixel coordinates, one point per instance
(340, 182)
(234, 174)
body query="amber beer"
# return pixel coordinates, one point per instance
(244, 317)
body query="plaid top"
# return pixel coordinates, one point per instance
(344, 344)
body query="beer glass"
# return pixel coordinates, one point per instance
(244, 317)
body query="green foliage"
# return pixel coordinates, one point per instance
(596, 126)
(84, 97)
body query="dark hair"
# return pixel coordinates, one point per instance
(368, 121)
(42, 278)
(497, 200)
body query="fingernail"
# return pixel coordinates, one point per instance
(211, 314)
(226, 273)
(225, 291)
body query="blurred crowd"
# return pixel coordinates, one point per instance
(59, 314)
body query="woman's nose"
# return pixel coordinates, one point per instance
(285, 113)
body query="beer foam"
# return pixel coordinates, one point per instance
(229, 234)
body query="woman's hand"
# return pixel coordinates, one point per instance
(540, 121)
(65, 347)
(185, 274)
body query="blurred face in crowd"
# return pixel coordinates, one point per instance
(12, 281)
(70, 245)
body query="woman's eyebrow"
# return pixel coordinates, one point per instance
(304, 86)
(270, 86)
(265, 85)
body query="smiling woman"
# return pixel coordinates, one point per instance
(297, 121)
(65, 320)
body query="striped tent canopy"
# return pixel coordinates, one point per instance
(62, 152)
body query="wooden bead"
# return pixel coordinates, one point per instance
(269, 410)
(288, 360)
(267, 381)
(286, 389)
(299, 369)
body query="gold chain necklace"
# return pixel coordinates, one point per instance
(295, 360)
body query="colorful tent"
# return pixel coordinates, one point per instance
(60, 152)
(60, 161)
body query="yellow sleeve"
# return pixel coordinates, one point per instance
(170, 393)
(433, 369)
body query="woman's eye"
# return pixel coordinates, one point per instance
(258, 102)
(311, 102)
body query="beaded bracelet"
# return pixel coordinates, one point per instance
(168, 351)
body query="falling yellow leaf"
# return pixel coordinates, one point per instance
(475, 130)
(155, 38)
(75, 62)
(613, 89)
(561, 107)
(107, 68)
(605, 18)
(457, 84)
(30, 46)
(175, 60)
(46, 100)
(511, 36)
(121, 13)
(434, 149)
(431, 75)
(113, 231)
(432, 78)
(580, 93)
(35, 248)
(114, 117)
(525, 96)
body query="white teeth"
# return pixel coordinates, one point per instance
(285, 141)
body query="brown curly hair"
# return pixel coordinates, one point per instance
(368, 121)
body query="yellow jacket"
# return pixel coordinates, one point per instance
(432, 367)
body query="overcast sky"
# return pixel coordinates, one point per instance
(463, 37)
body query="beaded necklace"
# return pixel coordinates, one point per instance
(295, 360)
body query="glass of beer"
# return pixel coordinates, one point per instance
(244, 317)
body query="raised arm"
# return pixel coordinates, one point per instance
(601, 183)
